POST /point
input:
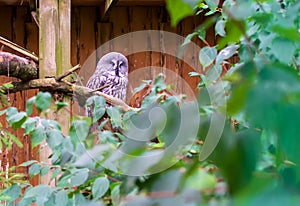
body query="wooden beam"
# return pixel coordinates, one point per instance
(54, 56)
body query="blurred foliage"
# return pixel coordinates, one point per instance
(256, 158)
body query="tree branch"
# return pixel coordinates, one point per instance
(18, 48)
(79, 92)
(26, 70)
(15, 66)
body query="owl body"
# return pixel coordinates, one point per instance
(112, 74)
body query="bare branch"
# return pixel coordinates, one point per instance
(15, 66)
(67, 73)
(80, 92)
(18, 49)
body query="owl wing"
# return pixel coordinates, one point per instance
(96, 81)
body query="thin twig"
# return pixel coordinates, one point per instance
(18, 49)
(35, 18)
(67, 73)
(100, 88)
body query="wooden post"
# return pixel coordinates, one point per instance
(54, 54)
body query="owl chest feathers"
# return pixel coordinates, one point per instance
(113, 85)
(111, 75)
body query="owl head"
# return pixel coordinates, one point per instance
(114, 63)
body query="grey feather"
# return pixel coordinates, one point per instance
(112, 70)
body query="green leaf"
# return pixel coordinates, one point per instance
(17, 119)
(37, 137)
(234, 31)
(44, 170)
(115, 115)
(55, 138)
(55, 173)
(201, 33)
(29, 105)
(29, 125)
(13, 192)
(100, 187)
(286, 32)
(242, 10)
(41, 193)
(212, 4)
(79, 177)
(226, 53)
(207, 55)
(61, 198)
(34, 169)
(283, 49)
(178, 10)
(15, 140)
(201, 180)
(25, 164)
(220, 28)
(43, 101)
(188, 39)
(78, 131)
(60, 105)
(116, 195)
(96, 100)
(7, 85)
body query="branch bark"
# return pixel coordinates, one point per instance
(79, 92)
(26, 70)
(15, 66)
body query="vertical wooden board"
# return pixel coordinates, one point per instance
(87, 16)
(140, 18)
(170, 61)
(6, 24)
(75, 32)
(156, 61)
(120, 17)
(191, 53)
(64, 38)
(32, 44)
(6, 30)
(103, 35)
(48, 37)
(83, 46)
(18, 35)
(6, 13)
(75, 52)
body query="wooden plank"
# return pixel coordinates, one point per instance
(48, 37)
(63, 56)
(18, 36)
(31, 43)
(169, 60)
(54, 50)
(6, 31)
(103, 35)
(120, 26)
(191, 54)
(75, 41)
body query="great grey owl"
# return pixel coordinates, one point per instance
(111, 70)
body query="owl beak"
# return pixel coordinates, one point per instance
(117, 69)
(117, 72)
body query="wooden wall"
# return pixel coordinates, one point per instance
(88, 33)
